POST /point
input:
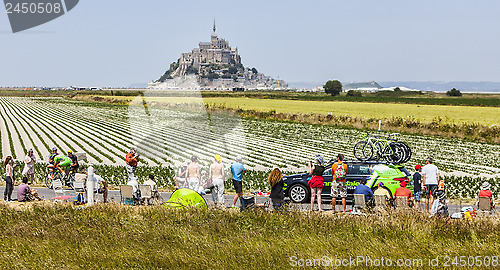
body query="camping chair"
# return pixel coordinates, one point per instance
(359, 202)
(402, 203)
(79, 187)
(59, 191)
(381, 201)
(146, 193)
(247, 203)
(484, 205)
(127, 195)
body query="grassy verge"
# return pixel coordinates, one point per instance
(118, 237)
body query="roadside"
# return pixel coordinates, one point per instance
(114, 196)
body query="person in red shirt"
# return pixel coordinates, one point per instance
(486, 192)
(131, 159)
(402, 191)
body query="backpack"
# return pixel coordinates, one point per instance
(78, 200)
(340, 171)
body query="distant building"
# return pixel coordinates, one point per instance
(214, 65)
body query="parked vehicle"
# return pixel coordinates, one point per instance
(298, 190)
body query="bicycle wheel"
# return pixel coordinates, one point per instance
(363, 151)
(407, 150)
(394, 153)
(71, 180)
(48, 179)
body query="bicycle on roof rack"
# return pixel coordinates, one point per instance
(374, 147)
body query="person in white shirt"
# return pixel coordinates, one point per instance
(151, 182)
(135, 185)
(101, 186)
(430, 180)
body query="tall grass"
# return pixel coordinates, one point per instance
(119, 237)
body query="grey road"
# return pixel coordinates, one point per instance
(114, 195)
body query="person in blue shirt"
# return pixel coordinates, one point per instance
(365, 190)
(237, 169)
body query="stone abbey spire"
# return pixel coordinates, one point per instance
(214, 34)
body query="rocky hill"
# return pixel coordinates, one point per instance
(215, 65)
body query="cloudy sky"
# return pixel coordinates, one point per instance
(119, 42)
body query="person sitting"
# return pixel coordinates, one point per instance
(440, 207)
(364, 190)
(25, 194)
(101, 186)
(154, 189)
(382, 191)
(135, 186)
(402, 191)
(486, 192)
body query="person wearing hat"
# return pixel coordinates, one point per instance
(52, 156)
(29, 166)
(237, 169)
(402, 191)
(316, 182)
(430, 180)
(74, 161)
(216, 175)
(382, 191)
(417, 188)
(486, 192)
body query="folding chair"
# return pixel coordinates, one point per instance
(359, 203)
(127, 195)
(381, 201)
(402, 203)
(79, 187)
(484, 205)
(146, 193)
(59, 191)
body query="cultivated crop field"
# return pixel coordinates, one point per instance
(170, 136)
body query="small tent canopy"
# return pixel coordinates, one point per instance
(185, 197)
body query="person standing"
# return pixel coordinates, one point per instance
(417, 188)
(193, 175)
(237, 169)
(430, 180)
(9, 178)
(29, 166)
(316, 182)
(277, 195)
(131, 159)
(339, 187)
(216, 175)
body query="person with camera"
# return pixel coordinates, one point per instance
(131, 159)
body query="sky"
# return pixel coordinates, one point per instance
(115, 43)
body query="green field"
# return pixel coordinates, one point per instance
(120, 237)
(425, 113)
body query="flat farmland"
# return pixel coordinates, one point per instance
(425, 113)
